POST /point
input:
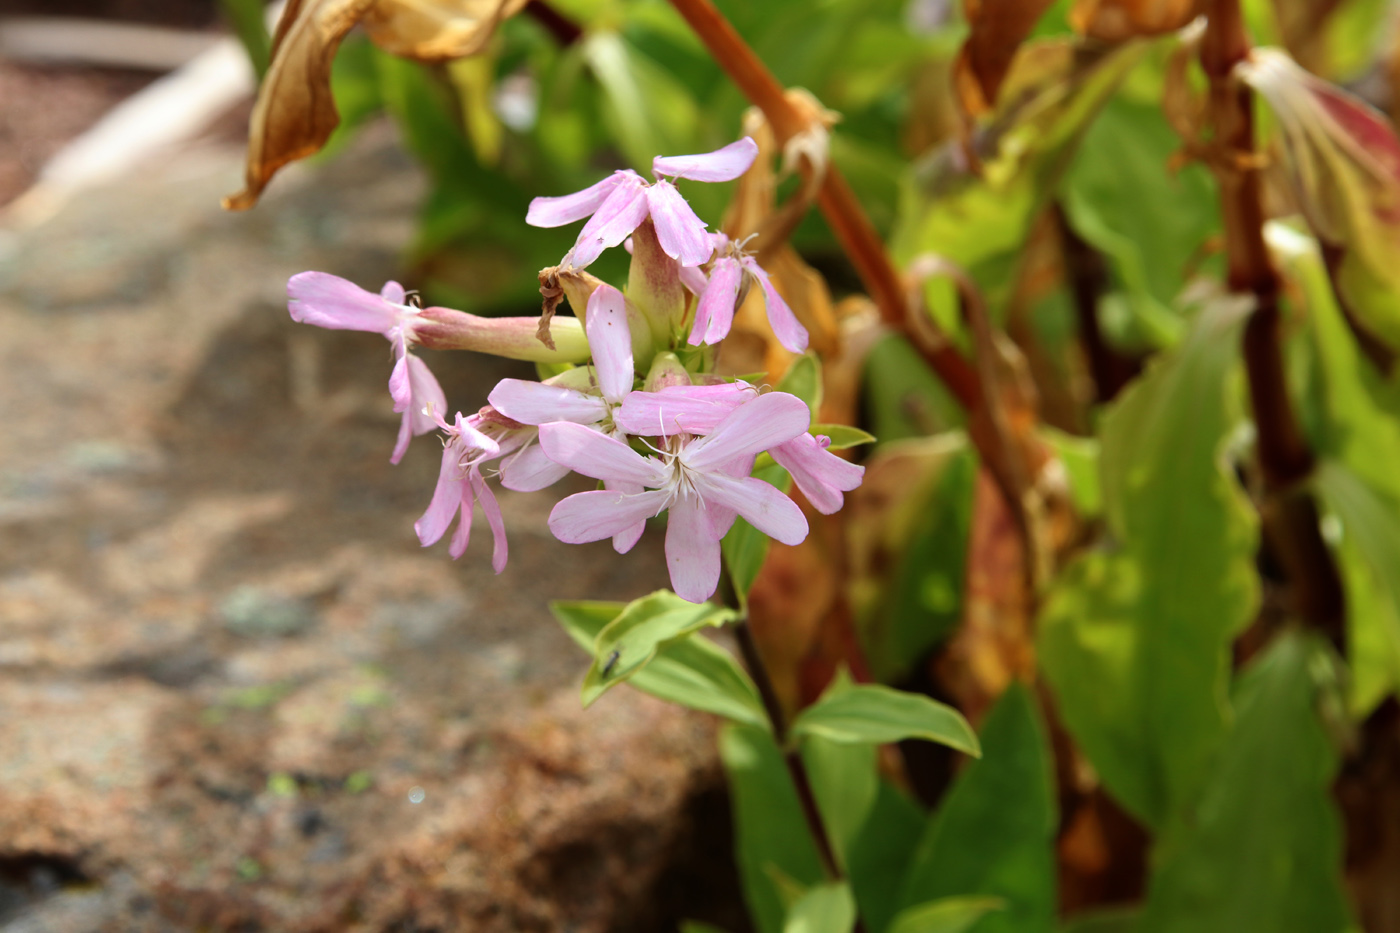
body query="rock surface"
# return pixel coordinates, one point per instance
(235, 694)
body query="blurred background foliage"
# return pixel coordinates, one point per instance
(1162, 738)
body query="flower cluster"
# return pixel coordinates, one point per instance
(660, 435)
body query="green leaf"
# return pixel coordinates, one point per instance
(826, 908)
(648, 112)
(842, 436)
(804, 380)
(630, 641)
(744, 547)
(692, 671)
(1151, 624)
(1263, 848)
(1080, 457)
(1108, 920)
(696, 926)
(845, 785)
(769, 829)
(248, 19)
(946, 915)
(994, 833)
(1151, 222)
(881, 853)
(878, 714)
(905, 399)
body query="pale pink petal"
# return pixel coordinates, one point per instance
(716, 309)
(610, 340)
(586, 451)
(447, 499)
(820, 474)
(681, 234)
(463, 536)
(333, 303)
(681, 409)
(694, 279)
(791, 334)
(429, 401)
(724, 164)
(492, 510)
(393, 293)
(603, 513)
(537, 403)
(619, 215)
(761, 424)
(531, 470)
(399, 389)
(761, 505)
(405, 435)
(555, 212)
(624, 541)
(692, 550)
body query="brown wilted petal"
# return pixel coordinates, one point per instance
(436, 30)
(996, 30)
(295, 113)
(1120, 20)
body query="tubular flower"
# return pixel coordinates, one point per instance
(460, 483)
(336, 304)
(730, 277)
(692, 477)
(821, 475)
(621, 202)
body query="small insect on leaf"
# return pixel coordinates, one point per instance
(611, 663)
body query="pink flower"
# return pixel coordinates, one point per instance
(333, 303)
(619, 203)
(536, 403)
(730, 275)
(820, 474)
(693, 478)
(460, 483)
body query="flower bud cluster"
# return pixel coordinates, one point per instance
(639, 410)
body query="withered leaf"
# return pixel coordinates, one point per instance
(295, 111)
(996, 30)
(1120, 20)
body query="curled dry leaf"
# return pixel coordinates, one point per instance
(1343, 160)
(996, 29)
(295, 112)
(1120, 20)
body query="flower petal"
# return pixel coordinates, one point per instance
(716, 308)
(447, 498)
(614, 221)
(761, 505)
(791, 334)
(681, 409)
(401, 442)
(724, 164)
(624, 541)
(556, 212)
(492, 510)
(692, 550)
(591, 453)
(757, 425)
(536, 403)
(463, 536)
(610, 339)
(681, 233)
(428, 400)
(531, 470)
(331, 302)
(393, 293)
(820, 474)
(602, 513)
(693, 278)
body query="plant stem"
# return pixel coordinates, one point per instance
(848, 220)
(797, 770)
(564, 30)
(1290, 516)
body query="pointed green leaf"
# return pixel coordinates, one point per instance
(744, 547)
(1109, 920)
(1263, 848)
(826, 908)
(804, 380)
(878, 714)
(770, 832)
(946, 915)
(1151, 625)
(994, 833)
(842, 436)
(845, 784)
(692, 671)
(882, 852)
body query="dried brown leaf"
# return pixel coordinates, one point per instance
(436, 30)
(996, 30)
